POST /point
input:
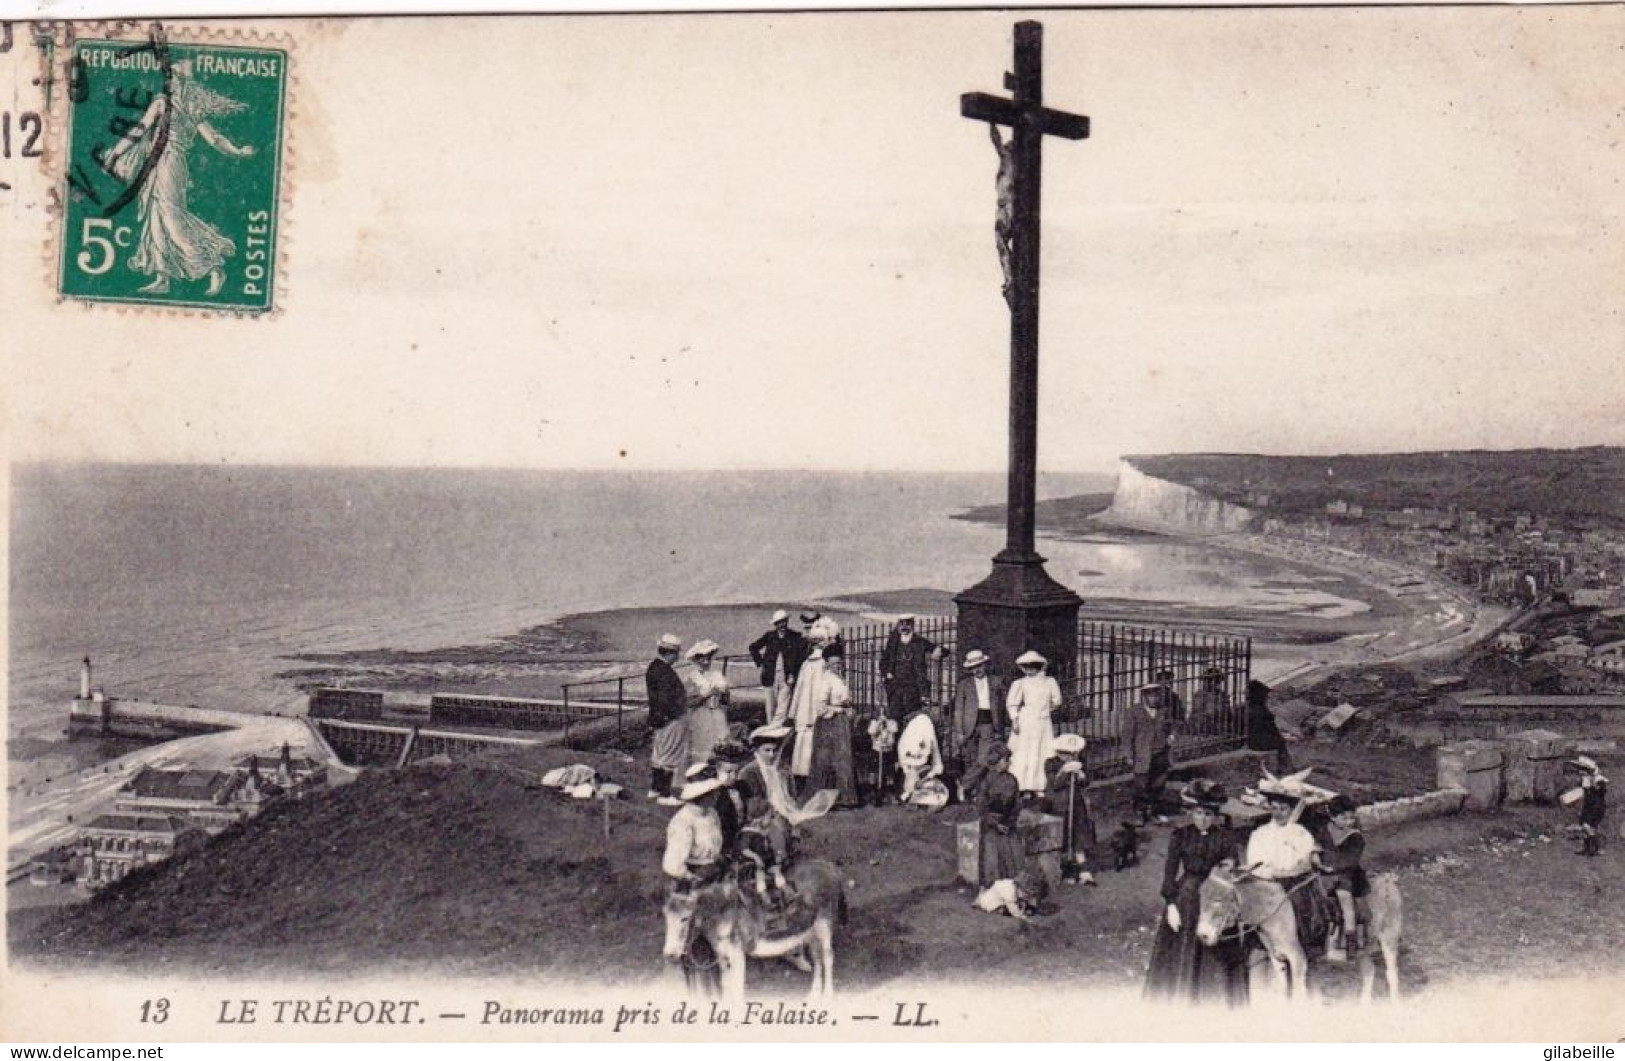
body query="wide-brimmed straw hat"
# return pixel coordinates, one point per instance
(1070, 744)
(699, 780)
(769, 734)
(975, 658)
(1586, 763)
(669, 642)
(780, 616)
(703, 648)
(907, 617)
(1030, 658)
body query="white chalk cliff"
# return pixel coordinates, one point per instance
(1145, 500)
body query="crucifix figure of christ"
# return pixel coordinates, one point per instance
(1019, 604)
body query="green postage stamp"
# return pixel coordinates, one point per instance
(173, 164)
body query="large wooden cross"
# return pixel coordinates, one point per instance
(1030, 121)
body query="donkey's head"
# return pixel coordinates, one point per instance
(1220, 907)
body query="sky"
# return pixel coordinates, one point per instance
(766, 242)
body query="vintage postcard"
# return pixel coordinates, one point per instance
(904, 525)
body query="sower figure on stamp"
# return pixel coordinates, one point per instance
(175, 244)
(779, 654)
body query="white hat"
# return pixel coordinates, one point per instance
(706, 647)
(1030, 658)
(670, 642)
(1586, 762)
(1069, 744)
(781, 616)
(975, 658)
(907, 617)
(768, 733)
(698, 780)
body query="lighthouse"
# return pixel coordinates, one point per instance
(84, 678)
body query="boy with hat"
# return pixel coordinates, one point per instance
(1339, 860)
(1067, 799)
(1147, 735)
(1593, 803)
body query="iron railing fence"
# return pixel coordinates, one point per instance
(1208, 673)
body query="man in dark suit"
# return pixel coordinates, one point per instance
(779, 653)
(668, 701)
(1147, 734)
(905, 665)
(979, 717)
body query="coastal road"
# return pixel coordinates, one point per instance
(45, 814)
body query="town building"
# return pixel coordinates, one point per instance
(114, 844)
(202, 797)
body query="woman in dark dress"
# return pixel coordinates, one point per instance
(1002, 856)
(1183, 969)
(1263, 735)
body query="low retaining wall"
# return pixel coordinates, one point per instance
(1435, 804)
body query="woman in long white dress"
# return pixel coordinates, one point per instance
(1032, 700)
(707, 718)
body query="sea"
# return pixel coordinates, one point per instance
(197, 584)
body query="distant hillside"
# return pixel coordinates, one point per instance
(1585, 485)
(1053, 515)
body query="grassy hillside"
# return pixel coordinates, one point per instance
(1574, 485)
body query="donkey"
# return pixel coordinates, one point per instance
(1232, 899)
(734, 929)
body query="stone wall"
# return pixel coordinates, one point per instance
(1525, 767)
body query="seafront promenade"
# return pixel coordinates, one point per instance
(1435, 622)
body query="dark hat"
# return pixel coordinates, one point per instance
(1203, 793)
(1340, 804)
(995, 754)
(730, 751)
(1257, 692)
(811, 617)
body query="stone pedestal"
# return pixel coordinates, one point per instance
(1016, 608)
(1534, 765)
(1476, 766)
(1041, 840)
(969, 838)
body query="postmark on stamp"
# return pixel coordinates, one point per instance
(173, 163)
